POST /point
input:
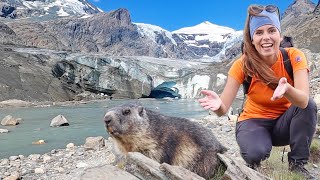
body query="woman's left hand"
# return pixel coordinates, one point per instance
(280, 90)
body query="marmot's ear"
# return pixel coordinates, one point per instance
(141, 110)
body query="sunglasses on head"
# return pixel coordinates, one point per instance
(269, 8)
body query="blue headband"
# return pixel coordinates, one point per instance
(270, 18)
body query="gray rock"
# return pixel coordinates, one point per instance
(39, 171)
(9, 121)
(106, 172)
(4, 162)
(59, 120)
(13, 158)
(226, 128)
(34, 157)
(94, 143)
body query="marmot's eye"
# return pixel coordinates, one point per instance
(126, 112)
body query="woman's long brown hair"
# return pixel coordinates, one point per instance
(253, 65)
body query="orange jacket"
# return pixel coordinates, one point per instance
(258, 103)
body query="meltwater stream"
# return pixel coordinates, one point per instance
(85, 120)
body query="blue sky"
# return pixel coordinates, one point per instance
(175, 14)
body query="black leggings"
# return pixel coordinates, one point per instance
(295, 127)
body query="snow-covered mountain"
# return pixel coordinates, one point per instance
(77, 25)
(43, 8)
(204, 31)
(203, 41)
(207, 35)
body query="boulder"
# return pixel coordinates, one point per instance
(9, 121)
(95, 143)
(59, 120)
(106, 172)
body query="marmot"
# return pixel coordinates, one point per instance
(173, 140)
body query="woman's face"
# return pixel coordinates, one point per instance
(266, 40)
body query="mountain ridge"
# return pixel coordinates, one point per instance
(204, 40)
(160, 43)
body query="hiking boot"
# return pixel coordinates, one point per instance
(299, 168)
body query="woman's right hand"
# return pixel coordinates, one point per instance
(212, 101)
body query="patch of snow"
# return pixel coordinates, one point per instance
(75, 6)
(150, 31)
(206, 31)
(61, 12)
(235, 37)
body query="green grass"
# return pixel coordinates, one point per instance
(274, 168)
(219, 172)
(315, 152)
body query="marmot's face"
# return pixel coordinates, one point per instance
(125, 120)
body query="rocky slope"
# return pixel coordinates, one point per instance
(301, 21)
(78, 26)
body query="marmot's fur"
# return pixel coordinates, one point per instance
(173, 140)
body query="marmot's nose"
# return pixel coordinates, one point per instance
(107, 119)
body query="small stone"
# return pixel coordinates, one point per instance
(16, 164)
(220, 123)
(69, 155)
(60, 169)
(80, 153)
(15, 174)
(13, 158)
(46, 158)
(315, 166)
(39, 171)
(94, 143)
(211, 125)
(70, 146)
(4, 162)
(34, 157)
(25, 171)
(226, 128)
(12, 177)
(81, 165)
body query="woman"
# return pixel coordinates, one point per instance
(278, 110)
